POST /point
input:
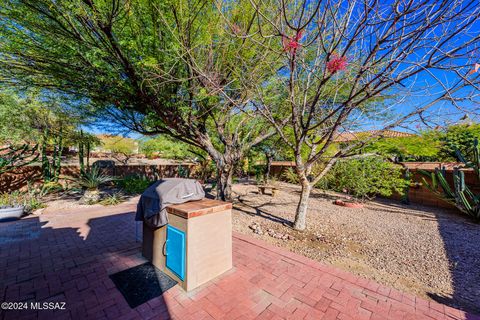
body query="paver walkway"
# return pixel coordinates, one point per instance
(67, 257)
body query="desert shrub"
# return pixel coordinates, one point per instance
(112, 199)
(50, 187)
(290, 176)
(183, 172)
(259, 171)
(29, 200)
(459, 137)
(364, 178)
(206, 170)
(425, 147)
(166, 147)
(134, 184)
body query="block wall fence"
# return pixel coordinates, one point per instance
(19, 178)
(418, 193)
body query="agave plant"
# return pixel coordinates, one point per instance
(460, 196)
(93, 178)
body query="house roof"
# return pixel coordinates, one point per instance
(283, 163)
(353, 136)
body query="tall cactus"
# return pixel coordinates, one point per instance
(461, 196)
(51, 168)
(81, 154)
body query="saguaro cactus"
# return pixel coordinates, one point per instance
(461, 196)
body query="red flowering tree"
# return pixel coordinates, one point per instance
(353, 65)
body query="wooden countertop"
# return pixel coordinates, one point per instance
(198, 208)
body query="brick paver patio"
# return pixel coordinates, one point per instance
(67, 257)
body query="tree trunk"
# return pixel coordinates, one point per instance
(224, 182)
(269, 157)
(301, 214)
(225, 162)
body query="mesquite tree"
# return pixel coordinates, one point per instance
(352, 65)
(157, 67)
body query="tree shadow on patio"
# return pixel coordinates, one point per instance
(56, 260)
(461, 240)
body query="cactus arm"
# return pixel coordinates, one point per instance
(444, 185)
(464, 203)
(460, 157)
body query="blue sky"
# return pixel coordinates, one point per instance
(441, 114)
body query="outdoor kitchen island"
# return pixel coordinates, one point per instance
(196, 245)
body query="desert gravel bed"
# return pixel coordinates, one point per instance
(429, 252)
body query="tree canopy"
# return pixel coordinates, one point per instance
(171, 67)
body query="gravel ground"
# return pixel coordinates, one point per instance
(430, 252)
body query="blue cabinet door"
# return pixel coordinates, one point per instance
(175, 251)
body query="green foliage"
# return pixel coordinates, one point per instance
(461, 195)
(15, 120)
(290, 176)
(86, 142)
(37, 117)
(206, 169)
(51, 166)
(415, 148)
(49, 187)
(29, 200)
(183, 171)
(93, 178)
(25, 116)
(111, 55)
(459, 137)
(134, 184)
(363, 178)
(433, 145)
(112, 199)
(121, 148)
(165, 147)
(259, 170)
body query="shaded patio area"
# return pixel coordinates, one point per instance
(68, 256)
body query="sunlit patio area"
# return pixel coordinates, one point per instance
(66, 258)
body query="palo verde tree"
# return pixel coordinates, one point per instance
(352, 65)
(121, 148)
(157, 67)
(33, 118)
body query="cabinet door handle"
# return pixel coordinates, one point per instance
(164, 249)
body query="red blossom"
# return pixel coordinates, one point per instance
(292, 44)
(336, 63)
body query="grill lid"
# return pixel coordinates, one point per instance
(152, 205)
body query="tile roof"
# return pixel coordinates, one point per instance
(353, 136)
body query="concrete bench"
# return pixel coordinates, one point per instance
(273, 189)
